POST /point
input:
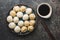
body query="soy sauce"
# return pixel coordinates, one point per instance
(44, 10)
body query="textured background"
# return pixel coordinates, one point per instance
(40, 33)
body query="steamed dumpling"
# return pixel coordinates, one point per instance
(12, 25)
(26, 23)
(23, 8)
(19, 14)
(20, 23)
(17, 29)
(21, 19)
(24, 29)
(16, 8)
(9, 19)
(12, 13)
(28, 10)
(25, 17)
(32, 22)
(16, 19)
(32, 16)
(30, 28)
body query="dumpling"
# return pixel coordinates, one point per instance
(12, 25)
(26, 23)
(12, 13)
(16, 19)
(28, 10)
(30, 28)
(20, 23)
(23, 8)
(32, 22)
(16, 8)
(19, 14)
(32, 16)
(25, 17)
(24, 29)
(9, 19)
(17, 29)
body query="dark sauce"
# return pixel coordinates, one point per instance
(44, 10)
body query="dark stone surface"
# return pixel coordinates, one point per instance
(40, 33)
